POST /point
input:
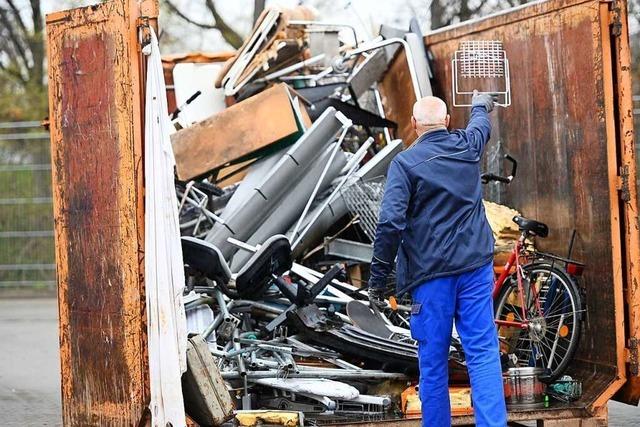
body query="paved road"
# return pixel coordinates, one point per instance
(29, 367)
(29, 363)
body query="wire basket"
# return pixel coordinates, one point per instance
(480, 65)
(363, 199)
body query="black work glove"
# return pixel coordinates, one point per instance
(482, 100)
(376, 298)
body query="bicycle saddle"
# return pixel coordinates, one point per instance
(205, 258)
(273, 258)
(531, 226)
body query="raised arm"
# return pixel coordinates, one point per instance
(478, 129)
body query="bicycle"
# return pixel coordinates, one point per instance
(537, 304)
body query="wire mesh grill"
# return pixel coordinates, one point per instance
(363, 199)
(481, 59)
(480, 65)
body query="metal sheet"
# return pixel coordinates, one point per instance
(367, 73)
(96, 147)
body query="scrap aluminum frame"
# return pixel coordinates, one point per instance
(480, 59)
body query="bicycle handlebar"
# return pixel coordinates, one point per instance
(488, 177)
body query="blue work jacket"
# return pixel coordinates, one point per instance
(432, 216)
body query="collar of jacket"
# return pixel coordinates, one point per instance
(431, 134)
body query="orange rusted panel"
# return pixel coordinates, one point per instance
(96, 148)
(628, 191)
(570, 126)
(237, 132)
(398, 97)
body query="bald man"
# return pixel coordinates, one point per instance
(433, 219)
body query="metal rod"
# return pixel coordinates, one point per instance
(408, 54)
(376, 93)
(319, 373)
(326, 24)
(242, 370)
(326, 168)
(324, 206)
(291, 68)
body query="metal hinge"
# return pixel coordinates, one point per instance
(614, 19)
(623, 184)
(632, 356)
(144, 32)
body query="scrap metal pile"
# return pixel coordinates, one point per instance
(279, 194)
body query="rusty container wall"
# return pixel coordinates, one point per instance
(562, 127)
(96, 146)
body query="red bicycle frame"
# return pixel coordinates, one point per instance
(514, 260)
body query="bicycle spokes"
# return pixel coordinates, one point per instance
(538, 320)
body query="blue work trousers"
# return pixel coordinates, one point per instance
(466, 298)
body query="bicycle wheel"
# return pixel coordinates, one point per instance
(553, 309)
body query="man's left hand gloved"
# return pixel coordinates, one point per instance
(376, 298)
(482, 100)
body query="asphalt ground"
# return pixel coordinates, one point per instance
(30, 368)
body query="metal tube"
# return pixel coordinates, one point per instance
(242, 370)
(408, 54)
(320, 373)
(291, 68)
(319, 183)
(222, 305)
(324, 24)
(376, 93)
(324, 205)
(258, 305)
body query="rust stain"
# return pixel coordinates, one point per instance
(96, 135)
(398, 97)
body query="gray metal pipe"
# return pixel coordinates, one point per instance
(320, 373)
(242, 370)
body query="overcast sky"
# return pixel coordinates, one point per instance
(365, 15)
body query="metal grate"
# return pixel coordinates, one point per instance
(480, 65)
(363, 198)
(481, 59)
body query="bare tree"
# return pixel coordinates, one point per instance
(217, 22)
(446, 12)
(21, 42)
(22, 59)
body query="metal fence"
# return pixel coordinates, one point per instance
(26, 217)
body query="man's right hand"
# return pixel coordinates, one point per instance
(482, 100)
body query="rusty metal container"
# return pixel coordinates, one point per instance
(570, 125)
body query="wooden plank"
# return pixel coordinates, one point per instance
(96, 149)
(241, 130)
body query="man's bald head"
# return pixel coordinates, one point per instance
(429, 113)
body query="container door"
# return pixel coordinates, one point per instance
(95, 103)
(621, 64)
